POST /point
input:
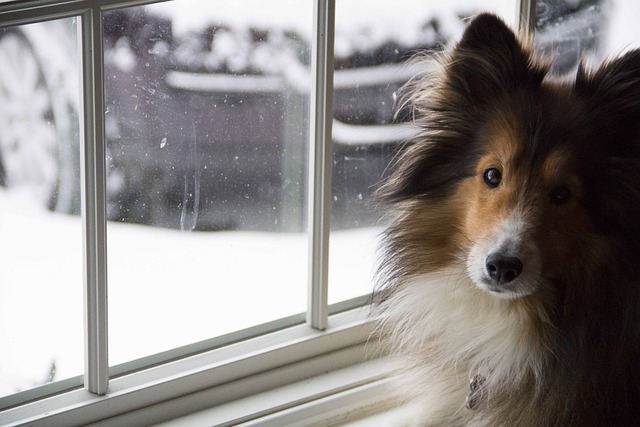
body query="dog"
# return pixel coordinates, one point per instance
(508, 285)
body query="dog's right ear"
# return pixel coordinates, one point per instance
(490, 61)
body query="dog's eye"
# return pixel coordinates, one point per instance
(492, 177)
(560, 195)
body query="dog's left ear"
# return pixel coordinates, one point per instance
(490, 61)
(612, 98)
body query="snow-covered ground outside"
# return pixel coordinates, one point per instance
(167, 288)
(170, 288)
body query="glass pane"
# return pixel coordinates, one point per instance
(41, 321)
(206, 115)
(585, 29)
(571, 31)
(371, 50)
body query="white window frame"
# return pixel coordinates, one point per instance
(214, 373)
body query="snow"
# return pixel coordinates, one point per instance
(167, 288)
(41, 292)
(344, 133)
(190, 15)
(358, 22)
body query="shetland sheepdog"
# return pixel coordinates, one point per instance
(509, 278)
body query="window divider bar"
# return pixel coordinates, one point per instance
(93, 183)
(526, 17)
(320, 161)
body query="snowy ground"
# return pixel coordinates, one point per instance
(166, 288)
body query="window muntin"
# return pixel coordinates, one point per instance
(41, 276)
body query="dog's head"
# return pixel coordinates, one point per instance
(523, 179)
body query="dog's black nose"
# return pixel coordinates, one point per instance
(503, 269)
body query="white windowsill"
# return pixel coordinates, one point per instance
(298, 368)
(329, 398)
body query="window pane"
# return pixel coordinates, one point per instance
(571, 31)
(206, 116)
(370, 53)
(585, 29)
(41, 322)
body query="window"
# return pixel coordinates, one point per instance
(203, 197)
(206, 139)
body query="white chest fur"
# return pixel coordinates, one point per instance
(446, 332)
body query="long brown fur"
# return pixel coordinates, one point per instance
(560, 344)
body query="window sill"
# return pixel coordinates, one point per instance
(334, 398)
(221, 378)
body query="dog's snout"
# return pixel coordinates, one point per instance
(503, 269)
